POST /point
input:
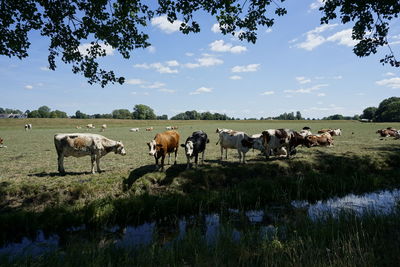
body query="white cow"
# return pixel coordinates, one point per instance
(168, 128)
(236, 140)
(90, 126)
(28, 127)
(304, 132)
(134, 129)
(103, 127)
(81, 144)
(397, 135)
(336, 132)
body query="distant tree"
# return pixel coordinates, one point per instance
(80, 115)
(44, 111)
(369, 113)
(334, 117)
(121, 114)
(207, 116)
(2, 110)
(298, 116)
(356, 117)
(34, 114)
(143, 112)
(162, 117)
(59, 114)
(388, 110)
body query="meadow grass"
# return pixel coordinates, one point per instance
(34, 196)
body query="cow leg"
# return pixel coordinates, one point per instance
(98, 163)
(176, 154)
(93, 158)
(240, 156)
(156, 161)
(162, 162)
(196, 158)
(169, 158)
(244, 158)
(222, 152)
(226, 154)
(202, 157)
(61, 163)
(188, 162)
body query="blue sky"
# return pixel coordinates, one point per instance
(297, 64)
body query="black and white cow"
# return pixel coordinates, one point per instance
(195, 144)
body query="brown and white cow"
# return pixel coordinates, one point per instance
(275, 139)
(85, 144)
(163, 144)
(235, 140)
(28, 127)
(149, 129)
(387, 132)
(90, 126)
(1, 143)
(324, 139)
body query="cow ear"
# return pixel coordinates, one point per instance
(182, 145)
(148, 144)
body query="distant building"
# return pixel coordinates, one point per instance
(13, 116)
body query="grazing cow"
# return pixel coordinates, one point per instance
(28, 127)
(134, 129)
(324, 139)
(168, 128)
(237, 140)
(81, 144)
(1, 143)
(103, 127)
(149, 129)
(90, 126)
(195, 144)
(387, 132)
(163, 144)
(336, 132)
(274, 140)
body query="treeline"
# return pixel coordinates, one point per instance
(341, 117)
(10, 111)
(194, 115)
(387, 111)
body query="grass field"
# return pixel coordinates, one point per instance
(34, 196)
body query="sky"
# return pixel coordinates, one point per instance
(296, 65)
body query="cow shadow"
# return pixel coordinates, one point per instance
(55, 174)
(136, 174)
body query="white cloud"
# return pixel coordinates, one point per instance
(343, 38)
(159, 67)
(169, 91)
(151, 49)
(393, 83)
(44, 68)
(268, 93)
(84, 48)
(140, 93)
(235, 77)
(221, 46)
(306, 90)
(269, 30)
(135, 81)
(389, 74)
(321, 94)
(215, 28)
(154, 85)
(248, 68)
(29, 87)
(189, 54)
(202, 90)
(163, 24)
(303, 80)
(339, 77)
(205, 61)
(316, 4)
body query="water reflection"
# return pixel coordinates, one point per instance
(167, 230)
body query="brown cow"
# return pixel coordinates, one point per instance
(162, 144)
(387, 132)
(324, 139)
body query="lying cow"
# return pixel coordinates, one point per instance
(387, 132)
(336, 132)
(80, 144)
(163, 144)
(195, 144)
(324, 139)
(276, 139)
(90, 126)
(236, 140)
(103, 127)
(149, 129)
(28, 127)
(134, 129)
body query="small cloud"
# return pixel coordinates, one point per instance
(205, 61)
(154, 85)
(360, 94)
(393, 83)
(169, 91)
(269, 30)
(29, 87)
(151, 49)
(189, 54)
(44, 68)
(163, 24)
(172, 63)
(235, 77)
(135, 81)
(202, 90)
(40, 84)
(221, 46)
(316, 4)
(303, 80)
(306, 90)
(84, 49)
(268, 93)
(159, 67)
(339, 77)
(389, 74)
(247, 68)
(321, 94)
(215, 28)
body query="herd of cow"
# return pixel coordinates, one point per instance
(272, 142)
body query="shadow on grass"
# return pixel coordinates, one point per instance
(53, 174)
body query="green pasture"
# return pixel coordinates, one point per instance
(358, 162)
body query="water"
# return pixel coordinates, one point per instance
(167, 230)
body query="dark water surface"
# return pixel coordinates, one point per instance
(169, 229)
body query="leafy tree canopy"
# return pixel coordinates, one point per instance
(122, 25)
(369, 113)
(143, 112)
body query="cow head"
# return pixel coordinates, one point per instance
(153, 147)
(120, 148)
(258, 144)
(189, 148)
(248, 142)
(311, 140)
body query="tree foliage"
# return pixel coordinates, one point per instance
(143, 112)
(388, 110)
(368, 113)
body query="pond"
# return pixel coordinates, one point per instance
(167, 230)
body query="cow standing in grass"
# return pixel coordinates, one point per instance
(79, 144)
(195, 144)
(163, 144)
(236, 140)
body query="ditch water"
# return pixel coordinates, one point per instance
(167, 230)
